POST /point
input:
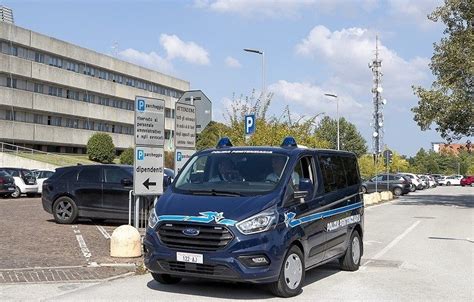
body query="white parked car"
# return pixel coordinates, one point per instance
(450, 180)
(41, 176)
(25, 182)
(415, 180)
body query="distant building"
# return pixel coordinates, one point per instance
(54, 95)
(6, 14)
(450, 148)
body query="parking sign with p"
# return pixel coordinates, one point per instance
(249, 124)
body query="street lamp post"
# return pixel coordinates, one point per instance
(263, 66)
(332, 95)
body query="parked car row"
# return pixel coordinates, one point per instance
(17, 181)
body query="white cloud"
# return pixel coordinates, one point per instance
(151, 60)
(348, 53)
(414, 11)
(189, 51)
(232, 62)
(308, 99)
(282, 8)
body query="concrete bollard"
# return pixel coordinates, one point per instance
(377, 197)
(385, 196)
(390, 194)
(125, 242)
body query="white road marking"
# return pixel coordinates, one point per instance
(392, 244)
(103, 231)
(82, 244)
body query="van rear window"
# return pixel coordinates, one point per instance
(338, 172)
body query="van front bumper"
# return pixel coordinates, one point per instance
(225, 264)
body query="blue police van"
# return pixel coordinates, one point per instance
(258, 214)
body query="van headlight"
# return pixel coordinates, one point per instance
(152, 219)
(258, 223)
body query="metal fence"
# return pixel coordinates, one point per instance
(139, 208)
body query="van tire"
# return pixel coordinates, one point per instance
(347, 261)
(165, 278)
(65, 210)
(280, 287)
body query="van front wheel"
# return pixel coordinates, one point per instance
(351, 260)
(292, 274)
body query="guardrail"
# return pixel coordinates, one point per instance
(139, 208)
(6, 147)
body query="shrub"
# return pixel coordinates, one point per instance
(126, 158)
(100, 148)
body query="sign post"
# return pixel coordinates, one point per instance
(184, 134)
(149, 141)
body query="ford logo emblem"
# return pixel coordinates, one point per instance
(191, 232)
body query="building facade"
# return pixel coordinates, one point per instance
(54, 95)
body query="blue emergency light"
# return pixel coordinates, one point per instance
(289, 141)
(224, 142)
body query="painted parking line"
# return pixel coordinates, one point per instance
(391, 244)
(82, 244)
(103, 231)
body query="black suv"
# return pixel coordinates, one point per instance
(93, 191)
(398, 184)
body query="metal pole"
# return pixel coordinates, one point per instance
(376, 180)
(337, 110)
(137, 212)
(388, 179)
(130, 193)
(263, 75)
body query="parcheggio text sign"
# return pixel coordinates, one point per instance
(148, 171)
(149, 122)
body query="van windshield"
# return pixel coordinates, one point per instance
(239, 172)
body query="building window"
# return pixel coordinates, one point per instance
(38, 88)
(39, 57)
(11, 82)
(10, 115)
(38, 119)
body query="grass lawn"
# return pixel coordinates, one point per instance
(59, 159)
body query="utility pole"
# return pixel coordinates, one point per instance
(378, 103)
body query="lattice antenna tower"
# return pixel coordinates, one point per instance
(378, 119)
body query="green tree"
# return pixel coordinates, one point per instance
(367, 166)
(270, 130)
(449, 103)
(209, 137)
(399, 164)
(126, 158)
(350, 139)
(101, 148)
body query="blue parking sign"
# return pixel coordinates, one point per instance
(140, 154)
(249, 124)
(141, 105)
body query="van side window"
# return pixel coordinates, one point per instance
(90, 175)
(303, 169)
(332, 169)
(350, 166)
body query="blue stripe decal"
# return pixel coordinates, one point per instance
(292, 222)
(206, 217)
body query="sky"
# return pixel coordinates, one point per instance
(311, 47)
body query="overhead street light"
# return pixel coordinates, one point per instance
(260, 52)
(332, 95)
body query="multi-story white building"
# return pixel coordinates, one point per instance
(54, 95)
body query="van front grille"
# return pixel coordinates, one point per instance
(209, 237)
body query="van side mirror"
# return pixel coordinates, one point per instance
(305, 188)
(126, 182)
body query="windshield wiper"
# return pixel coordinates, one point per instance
(216, 193)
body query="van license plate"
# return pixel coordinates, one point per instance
(188, 257)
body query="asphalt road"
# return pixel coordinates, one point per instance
(419, 247)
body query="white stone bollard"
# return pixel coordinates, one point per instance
(125, 242)
(385, 196)
(377, 197)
